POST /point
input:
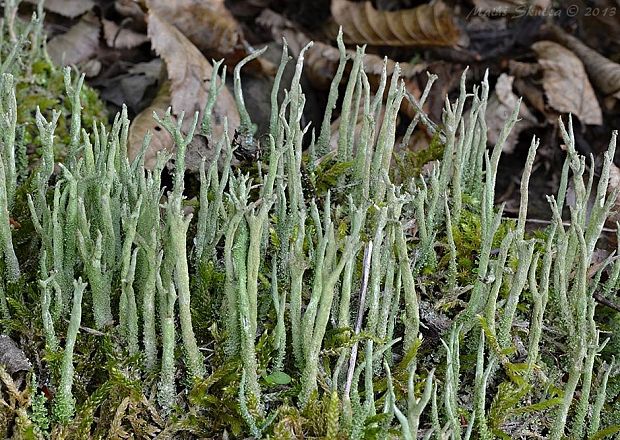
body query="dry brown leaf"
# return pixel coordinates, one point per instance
(144, 123)
(566, 83)
(190, 79)
(534, 95)
(604, 73)
(12, 357)
(519, 69)
(426, 25)
(121, 38)
(206, 23)
(130, 88)
(132, 9)
(78, 44)
(501, 105)
(66, 8)
(322, 59)
(190, 74)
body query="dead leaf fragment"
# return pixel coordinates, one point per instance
(144, 123)
(604, 73)
(12, 358)
(566, 83)
(66, 8)
(121, 38)
(190, 79)
(426, 25)
(130, 88)
(190, 74)
(132, 9)
(501, 105)
(206, 23)
(76, 45)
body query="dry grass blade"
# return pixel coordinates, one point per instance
(20, 397)
(426, 25)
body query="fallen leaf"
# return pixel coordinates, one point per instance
(426, 25)
(78, 44)
(534, 95)
(12, 357)
(566, 83)
(190, 80)
(519, 69)
(190, 75)
(130, 88)
(604, 73)
(149, 68)
(127, 89)
(144, 123)
(121, 38)
(206, 23)
(501, 105)
(132, 9)
(90, 68)
(66, 8)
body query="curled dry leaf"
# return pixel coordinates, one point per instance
(206, 23)
(566, 83)
(76, 45)
(121, 38)
(500, 106)
(604, 73)
(66, 8)
(426, 25)
(534, 95)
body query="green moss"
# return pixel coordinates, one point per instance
(410, 163)
(468, 241)
(44, 87)
(38, 82)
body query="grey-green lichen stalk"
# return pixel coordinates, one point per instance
(347, 272)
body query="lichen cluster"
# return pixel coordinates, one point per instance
(363, 309)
